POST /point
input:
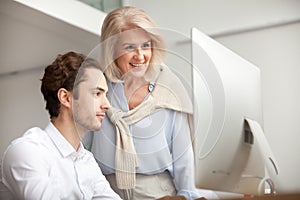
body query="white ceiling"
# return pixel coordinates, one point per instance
(31, 39)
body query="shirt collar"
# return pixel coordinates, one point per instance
(62, 145)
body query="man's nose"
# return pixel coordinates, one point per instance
(105, 105)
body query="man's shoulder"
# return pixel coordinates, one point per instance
(32, 135)
(31, 140)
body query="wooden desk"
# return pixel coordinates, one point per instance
(265, 197)
(272, 197)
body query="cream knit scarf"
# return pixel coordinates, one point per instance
(168, 93)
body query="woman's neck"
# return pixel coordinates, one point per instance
(135, 89)
(132, 83)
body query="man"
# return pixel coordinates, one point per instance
(52, 163)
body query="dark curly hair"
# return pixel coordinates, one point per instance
(62, 73)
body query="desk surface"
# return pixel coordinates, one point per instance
(271, 197)
(265, 197)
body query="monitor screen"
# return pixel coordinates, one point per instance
(226, 92)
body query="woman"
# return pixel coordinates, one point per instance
(150, 153)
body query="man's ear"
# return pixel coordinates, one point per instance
(65, 97)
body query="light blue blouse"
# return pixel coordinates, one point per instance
(162, 142)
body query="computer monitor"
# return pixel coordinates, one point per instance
(231, 152)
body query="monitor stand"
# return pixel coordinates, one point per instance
(254, 133)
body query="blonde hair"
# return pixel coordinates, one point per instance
(123, 19)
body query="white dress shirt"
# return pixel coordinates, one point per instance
(43, 165)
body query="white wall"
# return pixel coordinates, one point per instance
(275, 50)
(22, 105)
(214, 16)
